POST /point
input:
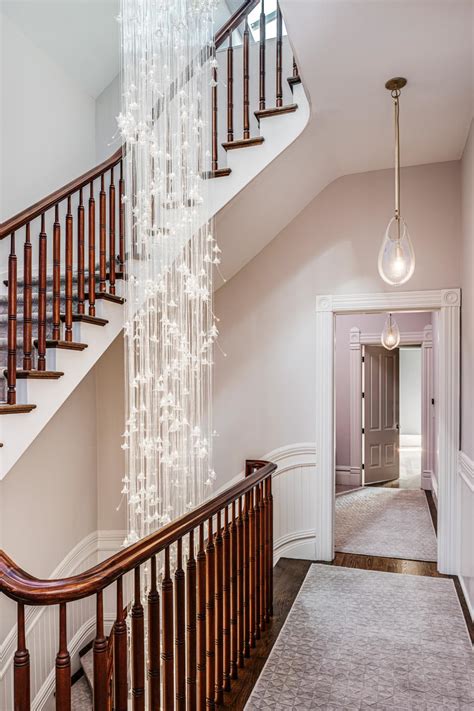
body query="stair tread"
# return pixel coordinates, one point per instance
(275, 111)
(6, 409)
(243, 143)
(38, 374)
(65, 345)
(87, 663)
(81, 695)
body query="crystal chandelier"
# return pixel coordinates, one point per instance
(390, 337)
(396, 261)
(167, 56)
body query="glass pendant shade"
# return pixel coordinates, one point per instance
(391, 334)
(396, 255)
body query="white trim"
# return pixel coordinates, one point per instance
(466, 469)
(470, 606)
(447, 302)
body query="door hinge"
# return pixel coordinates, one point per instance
(432, 400)
(363, 359)
(363, 466)
(363, 430)
(363, 395)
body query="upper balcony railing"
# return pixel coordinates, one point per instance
(198, 594)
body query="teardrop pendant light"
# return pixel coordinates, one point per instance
(396, 256)
(390, 337)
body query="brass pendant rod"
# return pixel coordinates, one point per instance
(397, 156)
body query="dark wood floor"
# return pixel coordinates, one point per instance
(288, 578)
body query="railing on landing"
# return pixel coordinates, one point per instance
(88, 244)
(213, 608)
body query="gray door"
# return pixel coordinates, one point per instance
(381, 414)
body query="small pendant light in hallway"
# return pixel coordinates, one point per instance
(396, 261)
(390, 337)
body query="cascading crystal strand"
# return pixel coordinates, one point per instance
(169, 330)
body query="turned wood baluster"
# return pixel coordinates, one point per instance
(21, 665)
(112, 233)
(257, 562)
(201, 621)
(262, 56)
(12, 313)
(270, 547)
(265, 610)
(230, 90)
(100, 658)
(68, 319)
(120, 653)
(261, 558)
(27, 301)
(210, 618)
(267, 551)
(233, 595)
(295, 69)
(252, 619)
(91, 251)
(191, 626)
(42, 297)
(246, 77)
(153, 641)
(56, 276)
(240, 586)
(218, 611)
(63, 665)
(179, 626)
(167, 637)
(226, 603)
(80, 255)
(138, 639)
(121, 218)
(246, 610)
(102, 237)
(279, 48)
(214, 158)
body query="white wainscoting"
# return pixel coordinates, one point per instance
(42, 628)
(466, 574)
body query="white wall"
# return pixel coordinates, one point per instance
(467, 382)
(265, 390)
(107, 108)
(410, 391)
(47, 123)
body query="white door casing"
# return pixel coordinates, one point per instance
(447, 302)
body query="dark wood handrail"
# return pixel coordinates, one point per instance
(24, 588)
(30, 213)
(40, 207)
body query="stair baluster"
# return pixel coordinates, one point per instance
(120, 653)
(12, 313)
(80, 255)
(100, 657)
(279, 48)
(210, 618)
(21, 665)
(214, 155)
(167, 658)
(27, 301)
(42, 276)
(102, 237)
(68, 299)
(218, 612)
(91, 280)
(240, 586)
(201, 621)
(112, 233)
(138, 641)
(246, 77)
(63, 665)
(257, 562)
(246, 610)
(56, 275)
(226, 677)
(261, 560)
(179, 627)
(191, 638)
(121, 218)
(252, 580)
(233, 594)
(261, 104)
(153, 640)
(230, 90)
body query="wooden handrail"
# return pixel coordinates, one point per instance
(24, 588)
(40, 207)
(30, 213)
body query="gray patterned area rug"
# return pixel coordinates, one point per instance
(359, 639)
(394, 523)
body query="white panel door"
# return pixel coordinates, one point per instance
(381, 414)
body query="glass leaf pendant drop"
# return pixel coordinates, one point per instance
(391, 334)
(396, 256)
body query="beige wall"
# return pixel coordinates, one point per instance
(265, 389)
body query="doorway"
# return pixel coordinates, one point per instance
(446, 304)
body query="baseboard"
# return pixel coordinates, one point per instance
(469, 602)
(300, 545)
(426, 480)
(347, 476)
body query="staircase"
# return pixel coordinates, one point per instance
(61, 292)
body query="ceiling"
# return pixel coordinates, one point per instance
(347, 49)
(81, 36)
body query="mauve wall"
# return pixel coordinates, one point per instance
(265, 390)
(367, 323)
